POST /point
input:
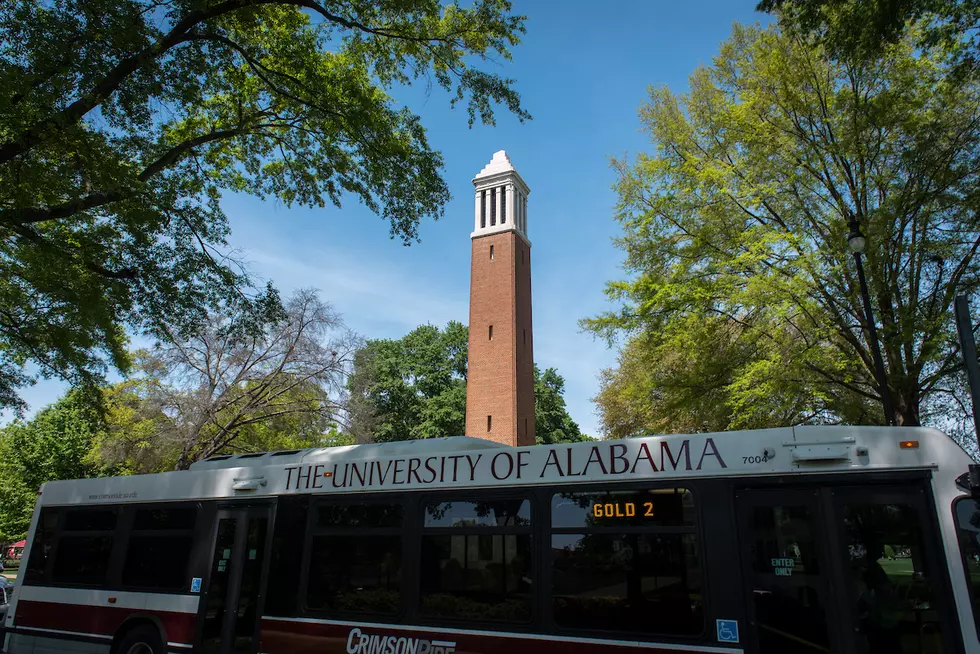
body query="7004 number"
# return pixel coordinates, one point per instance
(755, 459)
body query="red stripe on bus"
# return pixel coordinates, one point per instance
(295, 637)
(99, 620)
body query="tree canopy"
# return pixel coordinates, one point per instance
(415, 387)
(122, 123)
(690, 382)
(741, 290)
(57, 443)
(234, 384)
(863, 29)
(552, 424)
(142, 435)
(412, 387)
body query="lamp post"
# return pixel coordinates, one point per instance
(856, 241)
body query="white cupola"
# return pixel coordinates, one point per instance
(501, 199)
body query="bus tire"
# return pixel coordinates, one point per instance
(144, 639)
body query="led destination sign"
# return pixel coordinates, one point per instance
(665, 507)
(621, 509)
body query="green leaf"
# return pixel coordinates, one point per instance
(124, 122)
(740, 305)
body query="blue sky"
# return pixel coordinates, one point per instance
(582, 71)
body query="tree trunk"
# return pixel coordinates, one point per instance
(184, 461)
(906, 403)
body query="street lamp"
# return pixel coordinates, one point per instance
(856, 241)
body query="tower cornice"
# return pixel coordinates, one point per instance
(496, 179)
(501, 199)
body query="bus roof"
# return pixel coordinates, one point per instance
(461, 462)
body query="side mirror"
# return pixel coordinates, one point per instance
(969, 481)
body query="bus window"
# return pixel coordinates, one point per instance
(617, 568)
(286, 562)
(499, 513)
(967, 512)
(893, 598)
(160, 534)
(355, 559)
(168, 518)
(90, 520)
(42, 547)
(84, 547)
(476, 560)
(369, 516)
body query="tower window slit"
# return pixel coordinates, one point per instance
(490, 333)
(490, 422)
(503, 206)
(483, 209)
(491, 253)
(493, 207)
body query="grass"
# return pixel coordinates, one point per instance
(897, 567)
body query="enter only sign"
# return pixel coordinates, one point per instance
(783, 567)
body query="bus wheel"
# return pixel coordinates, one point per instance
(144, 639)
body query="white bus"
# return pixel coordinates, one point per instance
(799, 540)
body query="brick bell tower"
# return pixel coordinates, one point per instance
(500, 377)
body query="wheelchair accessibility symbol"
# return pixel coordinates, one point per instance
(727, 631)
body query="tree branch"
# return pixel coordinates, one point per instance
(28, 215)
(31, 136)
(106, 86)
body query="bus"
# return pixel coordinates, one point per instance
(852, 540)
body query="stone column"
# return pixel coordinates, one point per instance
(523, 213)
(479, 206)
(499, 199)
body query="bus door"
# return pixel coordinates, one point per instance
(786, 571)
(230, 615)
(896, 596)
(845, 569)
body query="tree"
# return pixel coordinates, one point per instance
(415, 387)
(412, 387)
(122, 122)
(690, 383)
(56, 444)
(231, 385)
(737, 225)
(140, 435)
(862, 29)
(552, 424)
